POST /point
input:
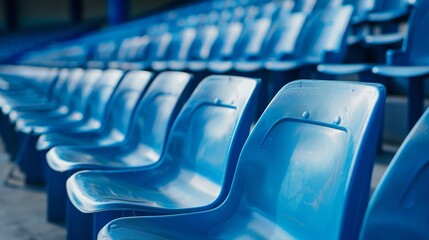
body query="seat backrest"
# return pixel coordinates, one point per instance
(399, 206)
(138, 49)
(204, 42)
(60, 83)
(82, 90)
(157, 111)
(253, 37)
(181, 43)
(158, 46)
(415, 44)
(124, 49)
(283, 36)
(304, 171)
(46, 81)
(323, 37)
(101, 94)
(124, 101)
(105, 51)
(209, 132)
(67, 88)
(225, 45)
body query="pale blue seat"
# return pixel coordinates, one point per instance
(90, 104)
(304, 172)
(193, 173)
(145, 134)
(321, 40)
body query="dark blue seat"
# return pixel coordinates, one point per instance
(194, 172)
(145, 134)
(398, 208)
(408, 63)
(304, 172)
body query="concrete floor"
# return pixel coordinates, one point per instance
(22, 209)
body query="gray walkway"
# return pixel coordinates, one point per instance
(22, 209)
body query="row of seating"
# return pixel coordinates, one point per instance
(193, 164)
(274, 40)
(309, 193)
(163, 142)
(384, 14)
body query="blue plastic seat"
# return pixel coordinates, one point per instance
(225, 35)
(104, 53)
(132, 50)
(145, 135)
(26, 87)
(117, 115)
(157, 50)
(387, 16)
(194, 172)
(63, 93)
(178, 49)
(398, 208)
(322, 39)
(304, 172)
(200, 49)
(111, 130)
(249, 45)
(408, 63)
(95, 97)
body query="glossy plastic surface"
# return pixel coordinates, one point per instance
(322, 39)
(90, 106)
(79, 89)
(146, 133)
(399, 206)
(116, 120)
(143, 144)
(303, 173)
(195, 171)
(280, 42)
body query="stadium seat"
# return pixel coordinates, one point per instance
(112, 129)
(145, 135)
(398, 207)
(250, 43)
(322, 39)
(178, 49)
(131, 50)
(408, 63)
(104, 53)
(91, 106)
(304, 172)
(194, 172)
